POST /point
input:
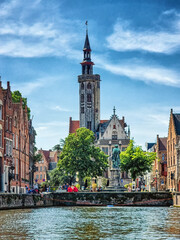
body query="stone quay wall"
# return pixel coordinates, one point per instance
(176, 199)
(12, 201)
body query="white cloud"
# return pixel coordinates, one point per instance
(126, 39)
(27, 88)
(138, 70)
(60, 109)
(32, 34)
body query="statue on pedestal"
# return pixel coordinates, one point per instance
(116, 158)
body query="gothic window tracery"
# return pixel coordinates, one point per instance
(89, 86)
(89, 97)
(82, 98)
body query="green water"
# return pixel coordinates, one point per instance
(91, 223)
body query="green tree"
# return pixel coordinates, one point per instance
(16, 98)
(58, 147)
(58, 177)
(136, 161)
(80, 155)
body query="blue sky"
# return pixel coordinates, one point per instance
(135, 47)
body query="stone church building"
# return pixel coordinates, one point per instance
(108, 133)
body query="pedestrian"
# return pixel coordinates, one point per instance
(69, 189)
(75, 189)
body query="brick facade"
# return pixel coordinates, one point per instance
(14, 144)
(173, 153)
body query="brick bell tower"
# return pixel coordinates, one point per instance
(89, 91)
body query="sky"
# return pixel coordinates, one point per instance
(135, 47)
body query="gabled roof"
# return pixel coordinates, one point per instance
(162, 144)
(149, 145)
(46, 154)
(177, 122)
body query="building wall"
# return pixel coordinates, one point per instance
(14, 144)
(172, 157)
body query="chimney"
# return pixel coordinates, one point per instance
(8, 85)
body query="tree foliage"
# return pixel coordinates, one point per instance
(58, 147)
(37, 157)
(16, 98)
(135, 160)
(58, 177)
(80, 155)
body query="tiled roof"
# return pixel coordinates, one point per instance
(46, 154)
(162, 144)
(149, 145)
(177, 123)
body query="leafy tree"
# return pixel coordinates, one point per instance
(135, 160)
(16, 98)
(58, 177)
(36, 155)
(59, 147)
(80, 155)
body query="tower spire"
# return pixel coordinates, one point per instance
(87, 64)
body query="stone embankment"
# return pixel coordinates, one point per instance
(12, 201)
(176, 199)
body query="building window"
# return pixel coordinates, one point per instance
(89, 98)
(10, 124)
(41, 169)
(15, 121)
(0, 112)
(114, 137)
(37, 176)
(17, 164)
(82, 98)
(163, 156)
(41, 176)
(82, 109)
(82, 86)
(44, 168)
(105, 150)
(89, 125)
(114, 126)
(88, 86)
(0, 137)
(16, 141)
(6, 123)
(83, 70)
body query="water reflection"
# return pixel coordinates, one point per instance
(91, 223)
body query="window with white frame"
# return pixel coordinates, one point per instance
(0, 112)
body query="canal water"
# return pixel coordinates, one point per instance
(91, 223)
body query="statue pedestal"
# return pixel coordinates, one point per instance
(115, 181)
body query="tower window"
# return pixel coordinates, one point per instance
(82, 97)
(89, 125)
(82, 109)
(82, 86)
(89, 98)
(83, 70)
(88, 86)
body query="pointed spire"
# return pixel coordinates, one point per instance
(114, 111)
(87, 44)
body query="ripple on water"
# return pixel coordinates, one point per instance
(91, 223)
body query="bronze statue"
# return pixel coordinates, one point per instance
(116, 157)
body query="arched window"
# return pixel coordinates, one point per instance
(82, 86)
(82, 98)
(89, 98)
(88, 86)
